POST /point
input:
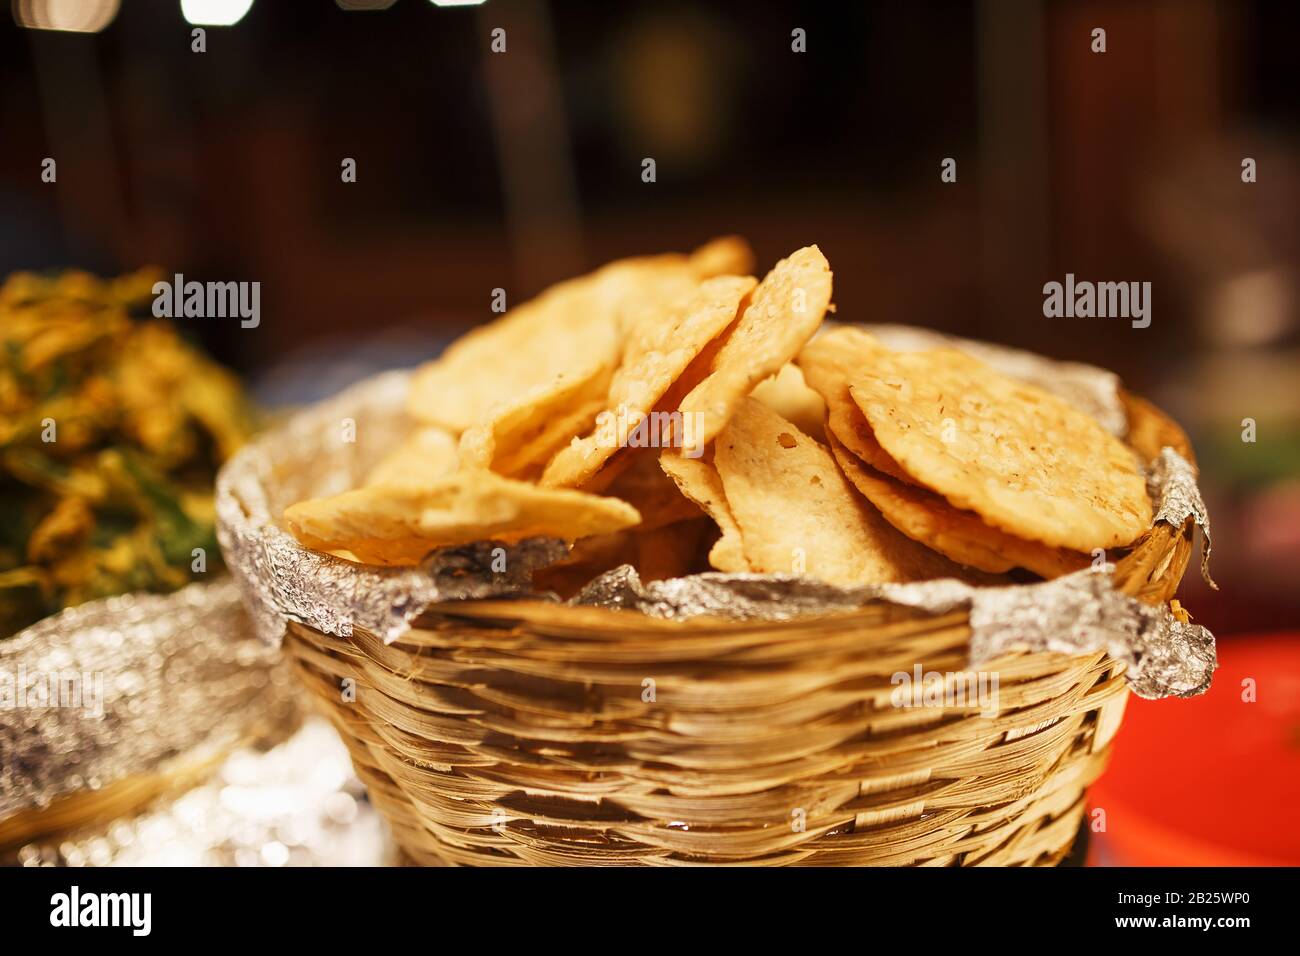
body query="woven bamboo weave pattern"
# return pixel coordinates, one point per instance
(530, 733)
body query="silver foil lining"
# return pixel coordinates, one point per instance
(1171, 483)
(1079, 613)
(326, 449)
(121, 686)
(329, 447)
(297, 803)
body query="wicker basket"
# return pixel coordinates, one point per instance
(520, 733)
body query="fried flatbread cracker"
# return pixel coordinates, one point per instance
(528, 461)
(724, 256)
(425, 454)
(782, 314)
(572, 329)
(797, 512)
(522, 435)
(400, 524)
(829, 363)
(787, 393)
(588, 558)
(669, 551)
(661, 346)
(699, 481)
(1022, 459)
(927, 517)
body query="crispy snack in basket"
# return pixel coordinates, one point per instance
(524, 434)
(798, 513)
(397, 524)
(662, 343)
(1022, 459)
(785, 310)
(926, 517)
(829, 363)
(572, 330)
(698, 480)
(427, 453)
(787, 393)
(615, 408)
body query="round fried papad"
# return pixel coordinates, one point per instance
(1022, 459)
(926, 517)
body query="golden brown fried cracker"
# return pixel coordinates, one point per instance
(573, 328)
(698, 480)
(587, 558)
(627, 457)
(525, 431)
(830, 362)
(661, 347)
(401, 524)
(562, 333)
(724, 256)
(528, 460)
(425, 454)
(1022, 459)
(1150, 431)
(783, 312)
(787, 393)
(599, 483)
(798, 513)
(960, 535)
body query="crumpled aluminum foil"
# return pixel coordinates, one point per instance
(326, 449)
(1171, 483)
(1075, 614)
(283, 581)
(146, 679)
(297, 803)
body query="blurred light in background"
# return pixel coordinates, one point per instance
(72, 16)
(1252, 308)
(458, 3)
(673, 76)
(364, 4)
(215, 13)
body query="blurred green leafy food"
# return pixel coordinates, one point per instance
(111, 432)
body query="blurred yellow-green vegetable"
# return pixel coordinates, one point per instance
(111, 432)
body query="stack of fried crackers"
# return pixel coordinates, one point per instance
(674, 413)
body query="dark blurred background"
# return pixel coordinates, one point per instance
(478, 170)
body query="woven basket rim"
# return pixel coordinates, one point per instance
(589, 619)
